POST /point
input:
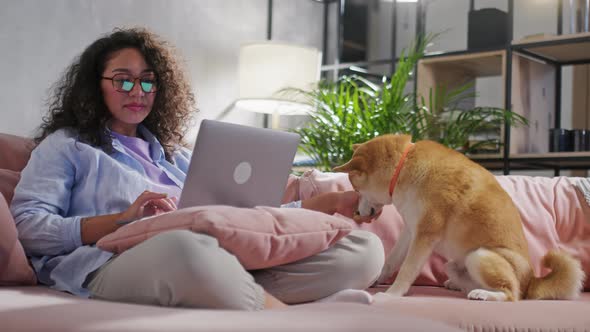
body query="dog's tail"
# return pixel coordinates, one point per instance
(564, 282)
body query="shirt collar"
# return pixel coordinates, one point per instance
(156, 149)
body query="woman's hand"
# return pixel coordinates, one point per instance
(147, 204)
(341, 202)
(347, 205)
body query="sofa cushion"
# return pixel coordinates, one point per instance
(260, 237)
(14, 151)
(8, 180)
(14, 266)
(453, 308)
(39, 308)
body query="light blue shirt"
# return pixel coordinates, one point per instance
(66, 180)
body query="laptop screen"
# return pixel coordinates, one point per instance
(238, 165)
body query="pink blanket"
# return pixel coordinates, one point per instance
(553, 211)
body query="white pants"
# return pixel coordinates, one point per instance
(186, 269)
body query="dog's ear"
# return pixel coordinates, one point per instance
(354, 166)
(355, 146)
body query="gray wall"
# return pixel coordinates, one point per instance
(40, 38)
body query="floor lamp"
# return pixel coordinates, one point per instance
(265, 69)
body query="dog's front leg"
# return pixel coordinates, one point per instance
(419, 251)
(396, 256)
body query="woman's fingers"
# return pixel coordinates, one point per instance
(147, 196)
(163, 204)
(172, 202)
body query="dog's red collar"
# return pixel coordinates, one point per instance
(398, 169)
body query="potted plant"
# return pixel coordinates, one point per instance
(354, 109)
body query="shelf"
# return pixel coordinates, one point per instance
(474, 64)
(560, 49)
(561, 160)
(551, 155)
(563, 49)
(522, 161)
(455, 69)
(489, 161)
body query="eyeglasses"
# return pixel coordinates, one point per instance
(126, 82)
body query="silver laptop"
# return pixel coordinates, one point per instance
(238, 165)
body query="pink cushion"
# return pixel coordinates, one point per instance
(8, 180)
(14, 267)
(14, 151)
(554, 215)
(260, 237)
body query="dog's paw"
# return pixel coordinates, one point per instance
(396, 290)
(486, 295)
(394, 293)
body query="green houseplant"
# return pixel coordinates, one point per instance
(354, 109)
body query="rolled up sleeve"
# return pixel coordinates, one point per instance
(41, 200)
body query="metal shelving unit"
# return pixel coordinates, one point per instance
(554, 52)
(551, 52)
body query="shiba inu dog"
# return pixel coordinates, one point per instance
(456, 208)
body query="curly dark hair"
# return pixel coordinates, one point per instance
(77, 99)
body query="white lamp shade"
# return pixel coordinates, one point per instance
(266, 68)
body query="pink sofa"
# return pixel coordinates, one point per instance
(429, 307)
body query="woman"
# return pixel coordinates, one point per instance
(109, 151)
